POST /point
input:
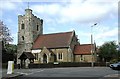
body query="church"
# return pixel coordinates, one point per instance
(36, 47)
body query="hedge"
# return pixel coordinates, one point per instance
(67, 64)
(61, 64)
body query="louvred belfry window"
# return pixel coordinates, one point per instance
(37, 27)
(22, 37)
(22, 26)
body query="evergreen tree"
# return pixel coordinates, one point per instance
(108, 51)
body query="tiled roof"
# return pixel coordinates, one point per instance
(29, 55)
(84, 49)
(55, 40)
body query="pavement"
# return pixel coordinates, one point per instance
(24, 72)
(17, 73)
(14, 75)
(113, 75)
(9, 76)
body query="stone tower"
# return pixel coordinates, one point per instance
(29, 27)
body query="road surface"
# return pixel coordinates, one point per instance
(72, 72)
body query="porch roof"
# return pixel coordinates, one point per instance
(26, 55)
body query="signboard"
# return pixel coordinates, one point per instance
(10, 69)
(36, 51)
(118, 48)
(56, 63)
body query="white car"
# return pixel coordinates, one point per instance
(115, 66)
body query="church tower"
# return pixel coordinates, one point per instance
(29, 27)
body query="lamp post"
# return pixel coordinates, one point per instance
(118, 50)
(92, 62)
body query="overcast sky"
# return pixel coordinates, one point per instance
(67, 15)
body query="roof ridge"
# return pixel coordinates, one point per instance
(84, 44)
(58, 33)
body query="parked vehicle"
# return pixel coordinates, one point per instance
(115, 66)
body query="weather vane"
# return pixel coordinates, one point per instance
(28, 5)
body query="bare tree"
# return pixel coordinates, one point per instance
(5, 35)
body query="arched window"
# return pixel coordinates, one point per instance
(37, 27)
(22, 26)
(22, 37)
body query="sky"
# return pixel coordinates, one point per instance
(65, 16)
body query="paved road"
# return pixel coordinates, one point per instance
(69, 73)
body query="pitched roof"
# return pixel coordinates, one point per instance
(84, 49)
(29, 55)
(55, 40)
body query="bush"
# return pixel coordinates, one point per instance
(114, 61)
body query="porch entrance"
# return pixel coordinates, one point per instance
(24, 57)
(55, 58)
(44, 58)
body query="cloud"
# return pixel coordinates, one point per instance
(7, 5)
(83, 34)
(51, 29)
(107, 34)
(100, 43)
(72, 11)
(100, 34)
(77, 11)
(51, 9)
(63, 0)
(107, 1)
(87, 12)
